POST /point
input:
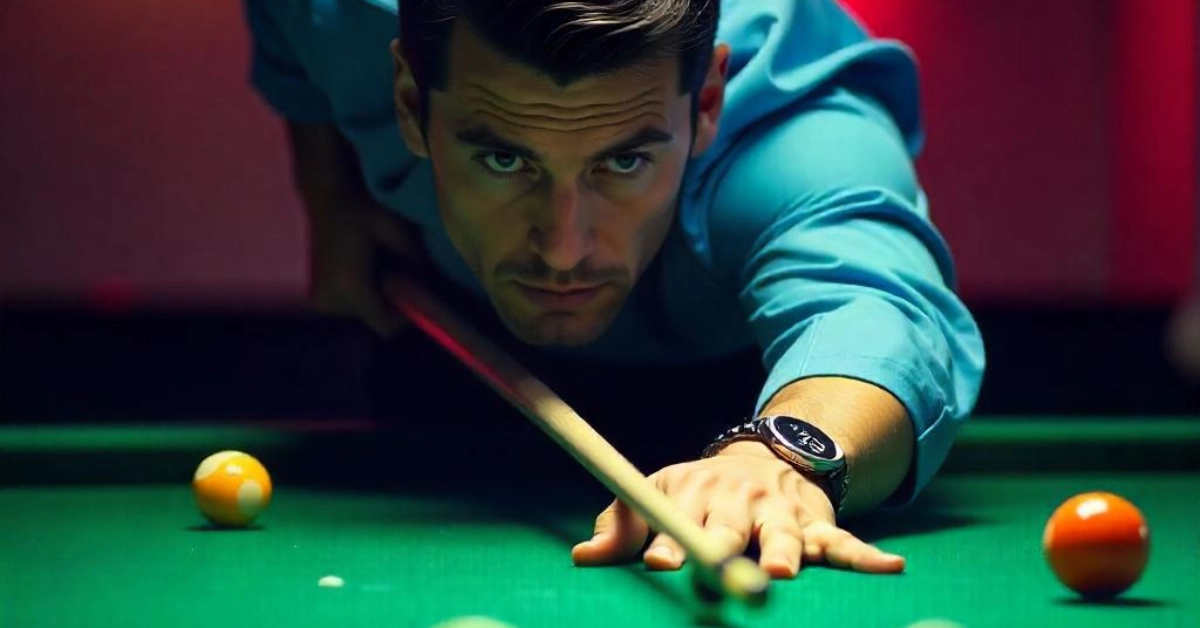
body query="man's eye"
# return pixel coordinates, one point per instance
(503, 163)
(625, 164)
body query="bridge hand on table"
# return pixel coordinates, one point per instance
(744, 495)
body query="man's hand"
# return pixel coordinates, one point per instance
(744, 495)
(349, 232)
(346, 243)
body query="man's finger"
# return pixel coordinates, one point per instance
(839, 548)
(344, 293)
(377, 314)
(619, 533)
(395, 235)
(731, 517)
(325, 294)
(780, 539)
(692, 497)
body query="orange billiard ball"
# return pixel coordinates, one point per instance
(232, 488)
(1097, 544)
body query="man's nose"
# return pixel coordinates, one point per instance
(562, 234)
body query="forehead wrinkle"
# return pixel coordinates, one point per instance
(558, 125)
(481, 94)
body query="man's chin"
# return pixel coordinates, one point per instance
(556, 329)
(535, 326)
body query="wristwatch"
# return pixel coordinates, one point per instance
(812, 452)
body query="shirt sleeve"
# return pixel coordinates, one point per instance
(276, 71)
(825, 231)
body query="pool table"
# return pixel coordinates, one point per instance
(98, 528)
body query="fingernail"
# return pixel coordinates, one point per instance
(664, 553)
(784, 567)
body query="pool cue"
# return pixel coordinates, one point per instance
(716, 569)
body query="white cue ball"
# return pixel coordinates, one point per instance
(935, 623)
(331, 582)
(473, 621)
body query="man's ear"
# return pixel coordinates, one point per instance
(408, 103)
(711, 100)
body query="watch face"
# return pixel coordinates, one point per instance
(804, 437)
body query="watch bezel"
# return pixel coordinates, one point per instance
(783, 444)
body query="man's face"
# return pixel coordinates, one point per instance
(556, 197)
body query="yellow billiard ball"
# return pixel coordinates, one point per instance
(232, 488)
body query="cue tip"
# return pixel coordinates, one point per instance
(745, 580)
(737, 577)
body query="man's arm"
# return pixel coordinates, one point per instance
(825, 231)
(871, 426)
(325, 169)
(349, 230)
(848, 288)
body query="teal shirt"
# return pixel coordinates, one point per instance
(803, 231)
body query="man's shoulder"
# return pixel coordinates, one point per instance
(787, 56)
(338, 28)
(813, 103)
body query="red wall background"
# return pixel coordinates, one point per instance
(1061, 159)
(132, 148)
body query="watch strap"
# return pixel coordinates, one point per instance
(747, 430)
(835, 484)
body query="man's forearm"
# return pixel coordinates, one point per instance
(324, 167)
(871, 425)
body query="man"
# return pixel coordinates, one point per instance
(654, 182)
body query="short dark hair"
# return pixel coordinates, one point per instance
(565, 40)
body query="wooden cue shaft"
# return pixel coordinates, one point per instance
(558, 420)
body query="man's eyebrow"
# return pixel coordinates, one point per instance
(647, 136)
(484, 137)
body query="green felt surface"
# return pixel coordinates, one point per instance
(98, 528)
(137, 555)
